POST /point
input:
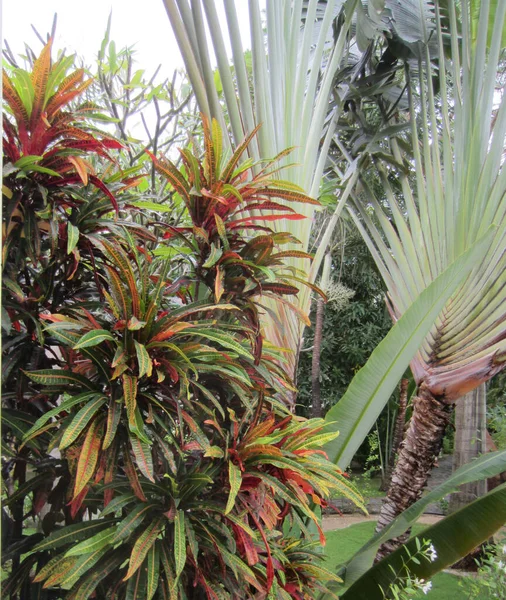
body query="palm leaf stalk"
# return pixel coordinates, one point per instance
(289, 98)
(459, 194)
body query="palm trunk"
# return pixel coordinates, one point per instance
(417, 454)
(470, 442)
(316, 408)
(398, 433)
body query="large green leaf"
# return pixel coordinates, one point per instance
(453, 537)
(484, 467)
(358, 409)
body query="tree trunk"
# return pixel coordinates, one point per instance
(470, 442)
(417, 454)
(398, 433)
(316, 408)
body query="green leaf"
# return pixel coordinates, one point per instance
(486, 466)
(235, 479)
(141, 547)
(72, 534)
(372, 386)
(27, 161)
(64, 406)
(453, 538)
(132, 521)
(90, 582)
(93, 338)
(153, 572)
(72, 237)
(165, 208)
(224, 340)
(213, 258)
(59, 377)
(179, 542)
(118, 503)
(143, 360)
(96, 542)
(80, 421)
(84, 564)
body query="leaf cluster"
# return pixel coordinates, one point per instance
(144, 424)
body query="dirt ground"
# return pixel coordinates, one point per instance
(331, 522)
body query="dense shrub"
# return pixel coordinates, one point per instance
(147, 449)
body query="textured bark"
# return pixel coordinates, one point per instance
(417, 454)
(470, 442)
(316, 408)
(398, 432)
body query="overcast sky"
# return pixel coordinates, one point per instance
(81, 26)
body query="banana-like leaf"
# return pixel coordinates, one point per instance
(484, 467)
(358, 409)
(453, 537)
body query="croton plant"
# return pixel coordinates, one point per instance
(147, 450)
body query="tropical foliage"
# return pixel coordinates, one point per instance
(146, 434)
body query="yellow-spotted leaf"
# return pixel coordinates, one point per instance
(235, 479)
(56, 377)
(130, 393)
(143, 360)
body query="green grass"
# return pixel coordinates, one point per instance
(343, 543)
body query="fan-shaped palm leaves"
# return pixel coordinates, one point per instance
(458, 194)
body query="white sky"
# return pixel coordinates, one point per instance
(143, 24)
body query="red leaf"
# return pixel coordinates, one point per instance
(77, 502)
